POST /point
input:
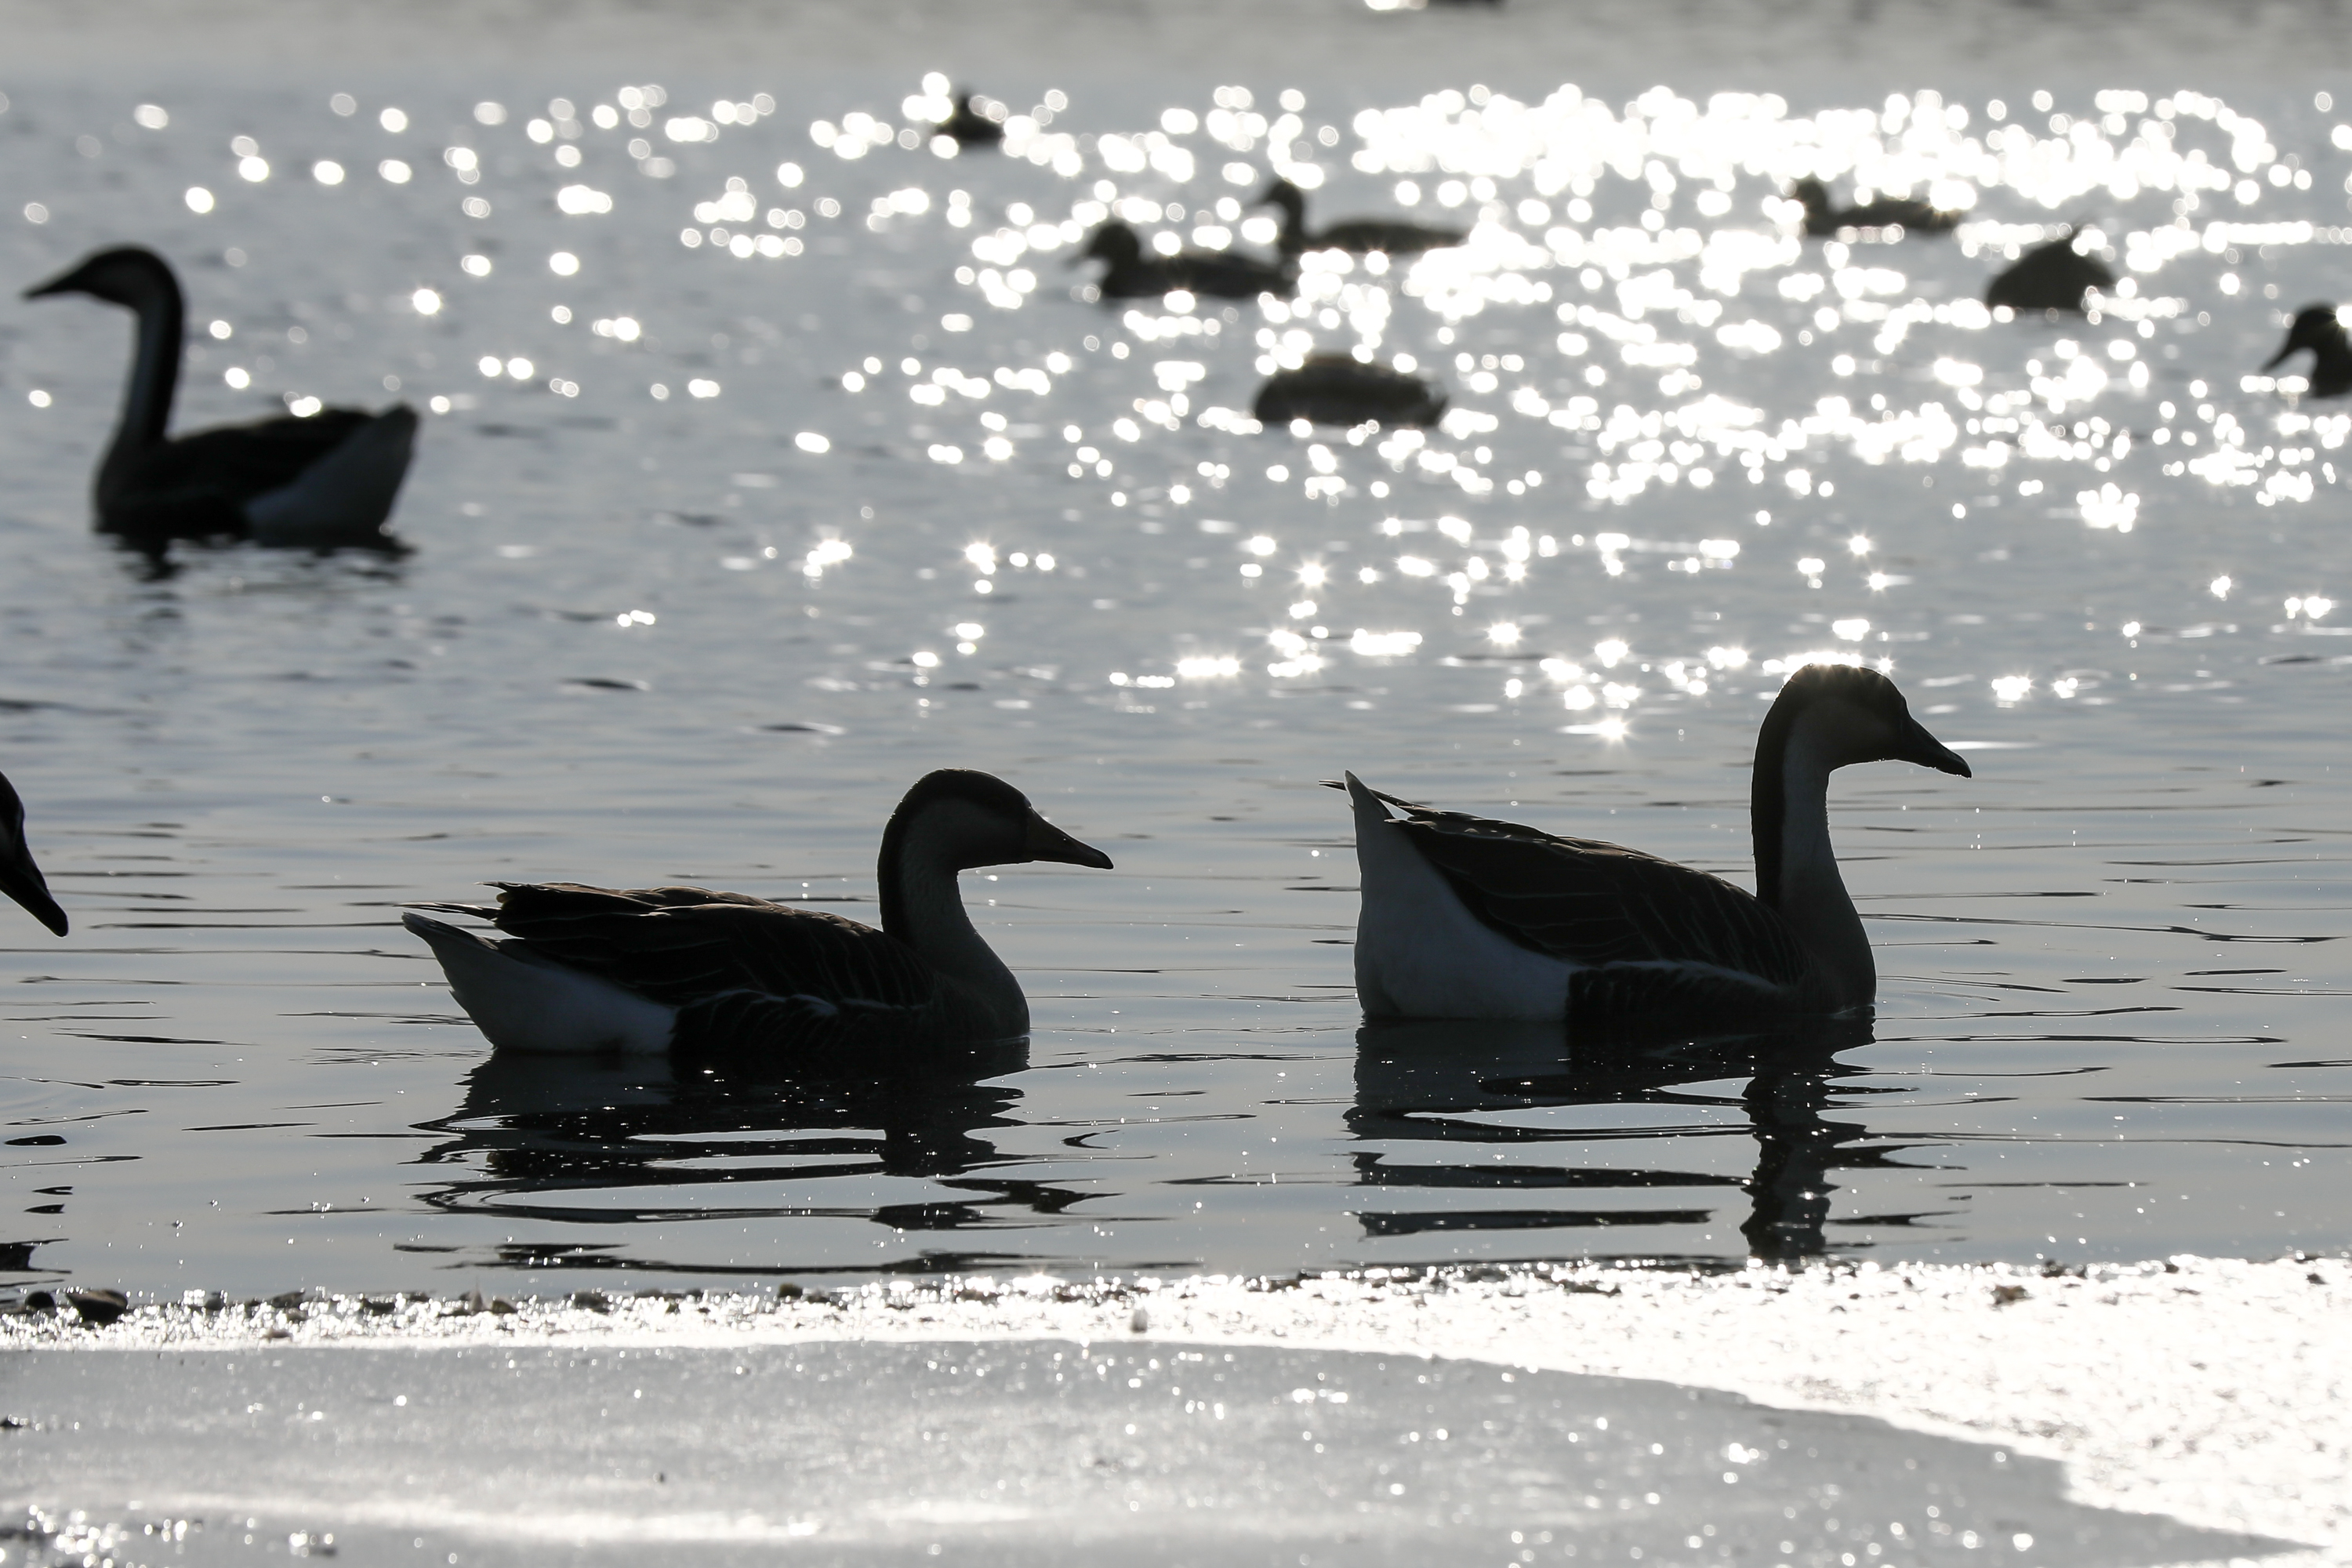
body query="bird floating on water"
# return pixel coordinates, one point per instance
(1132, 275)
(1359, 236)
(2051, 277)
(974, 124)
(20, 878)
(1825, 221)
(726, 975)
(2320, 329)
(320, 481)
(1339, 389)
(1466, 918)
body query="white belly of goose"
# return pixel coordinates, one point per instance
(1420, 954)
(523, 1003)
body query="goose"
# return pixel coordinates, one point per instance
(20, 878)
(2320, 329)
(731, 976)
(1359, 236)
(970, 127)
(1132, 275)
(2051, 277)
(1464, 917)
(1823, 221)
(325, 480)
(1339, 389)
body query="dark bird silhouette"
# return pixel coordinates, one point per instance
(1467, 918)
(1131, 274)
(1359, 236)
(733, 977)
(2051, 277)
(2320, 329)
(971, 127)
(19, 878)
(1822, 220)
(328, 480)
(1337, 389)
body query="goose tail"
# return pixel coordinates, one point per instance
(524, 1002)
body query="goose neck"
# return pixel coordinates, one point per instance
(922, 906)
(155, 372)
(1796, 868)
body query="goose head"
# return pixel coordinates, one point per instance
(958, 820)
(2319, 328)
(1282, 193)
(20, 878)
(1812, 194)
(1113, 242)
(1843, 714)
(128, 275)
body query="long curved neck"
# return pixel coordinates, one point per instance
(154, 371)
(1293, 236)
(1796, 871)
(922, 906)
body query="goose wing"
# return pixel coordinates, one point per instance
(745, 974)
(237, 462)
(1600, 906)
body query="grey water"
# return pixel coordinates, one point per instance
(773, 458)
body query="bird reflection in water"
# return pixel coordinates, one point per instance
(1442, 1082)
(559, 1143)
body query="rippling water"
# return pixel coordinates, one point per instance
(772, 462)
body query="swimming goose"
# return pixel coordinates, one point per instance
(1822, 221)
(2320, 329)
(1464, 917)
(2053, 277)
(1359, 236)
(19, 878)
(1132, 275)
(729, 976)
(1339, 389)
(319, 482)
(970, 127)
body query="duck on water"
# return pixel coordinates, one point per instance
(316, 482)
(1339, 389)
(2320, 329)
(1131, 275)
(20, 878)
(1825, 220)
(1467, 918)
(1358, 236)
(2055, 276)
(727, 976)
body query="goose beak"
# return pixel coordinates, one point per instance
(2280, 358)
(61, 284)
(1923, 748)
(1046, 842)
(22, 881)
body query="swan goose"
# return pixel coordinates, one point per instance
(731, 976)
(1359, 236)
(1339, 389)
(20, 878)
(1466, 918)
(316, 482)
(1129, 274)
(2320, 329)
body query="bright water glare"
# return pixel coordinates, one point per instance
(773, 456)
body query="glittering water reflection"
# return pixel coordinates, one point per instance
(776, 454)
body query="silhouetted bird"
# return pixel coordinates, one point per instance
(1131, 274)
(1393, 236)
(1336, 389)
(970, 127)
(325, 479)
(2320, 329)
(19, 878)
(2051, 277)
(1822, 220)
(1467, 918)
(732, 976)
